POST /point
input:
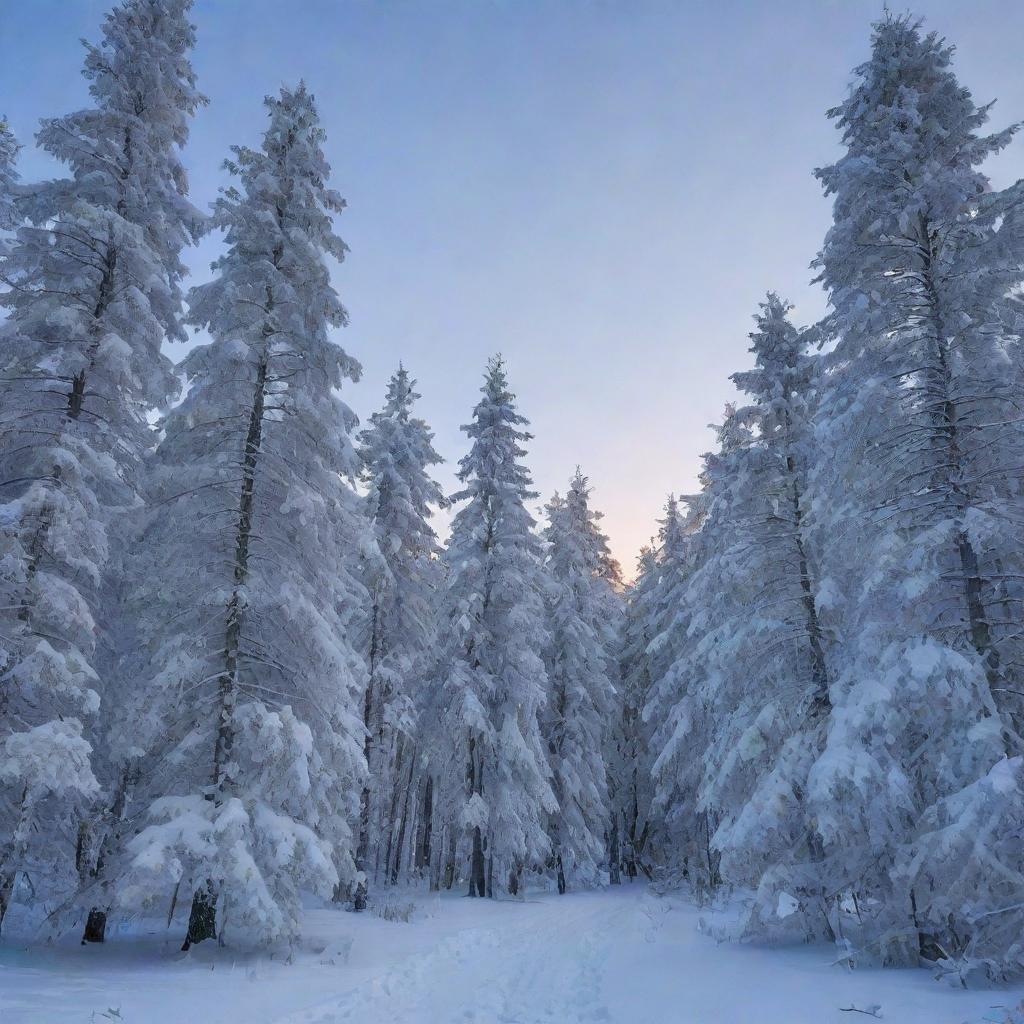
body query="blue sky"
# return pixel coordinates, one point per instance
(601, 191)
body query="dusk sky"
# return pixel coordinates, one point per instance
(601, 191)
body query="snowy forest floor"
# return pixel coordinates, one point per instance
(624, 956)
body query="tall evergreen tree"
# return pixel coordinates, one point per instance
(582, 615)
(652, 635)
(93, 288)
(495, 776)
(757, 694)
(920, 435)
(680, 722)
(247, 713)
(397, 452)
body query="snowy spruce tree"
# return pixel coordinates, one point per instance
(397, 452)
(582, 619)
(679, 725)
(754, 683)
(245, 715)
(494, 778)
(652, 634)
(92, 283)
(650, 637)
(920, 510)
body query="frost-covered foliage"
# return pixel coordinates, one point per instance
(677, 728)
(754, 687)
(237, 667)
(397, 452)
(919, 439)
(653, 630)
(8, 182)
(845, 656)
(495, 781)
(244, 713)
(582, 615)
(93, 289)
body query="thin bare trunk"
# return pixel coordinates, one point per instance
(371, 744)
(614, 857)
(90, 869)
(104, 296)
(449, 860)
(396, 864)
(203, 916)
(14, 856)
(819, 671)
(426, 824)
(945, 417)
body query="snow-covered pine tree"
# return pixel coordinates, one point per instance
(653, 634)
(672, 574)
(93, 289)
(679, 720)
(246, 717)
(920, 509)
(492, 769)
(756, 664)
(582, 619)
(397, 452)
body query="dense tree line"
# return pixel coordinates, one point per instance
(837, 723)
(237, 664)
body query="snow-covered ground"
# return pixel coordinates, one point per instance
(623, 956)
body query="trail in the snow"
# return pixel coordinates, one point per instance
(515, 972)
(623, 956)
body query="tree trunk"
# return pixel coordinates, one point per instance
(15, 855)
(95, 926)
(400, 844)
(449, 865)
(76, 396)
(713, 858)
(393, 816)
(561, 875)
(370, 714)
(434, 868)
(92, 869)
(981, 635)
(927, 946)
(515, 875)
(426, 824)
(202, 918)
(819, 672)
(363, 845)
(637, 847)
(945, 418)
(477, 881)
(202, 922)
(233, 633)
(631, 836)
(614, 856)
(407, 862)
(96, 923)
(7, 880)
(477, 885)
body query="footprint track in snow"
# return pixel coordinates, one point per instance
(509, 974)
